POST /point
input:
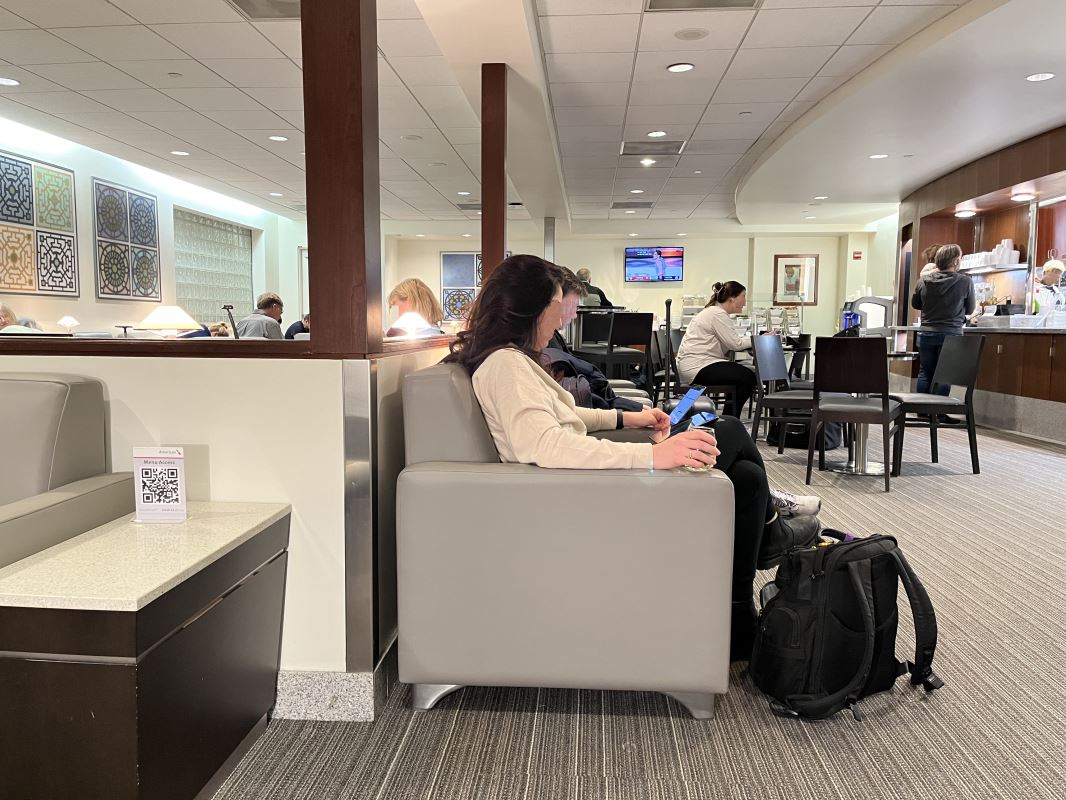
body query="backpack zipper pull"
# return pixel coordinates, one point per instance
(858, 715)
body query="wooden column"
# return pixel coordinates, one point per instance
(493, 165)
(343, 220)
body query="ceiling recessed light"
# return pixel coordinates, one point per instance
(821, 197)
(744, 114)
(632, 234)
(636, 191)
(1023, 197)
(179, 153)
(809, 217)
(303, 153)
(692, 34)
(682, 234)
(479, 213)
(647, 162)
(467, 235)
(908, 155)
(656, 134)
(438, 164)
(411, 137)
(9, 82)
(631, 212)
(966, 214)
(697, 172)
(420, 236)
(1037, 77)
(175, 75)
(463, 194)
(683, 66)
(278, 138)
(276, 194)
(877, 156)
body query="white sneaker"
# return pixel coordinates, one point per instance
(795, 505)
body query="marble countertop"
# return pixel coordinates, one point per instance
(990, 329)
(125, 565)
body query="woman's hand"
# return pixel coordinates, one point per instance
(654, 418)
(693, 448)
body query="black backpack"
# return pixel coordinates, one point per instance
(827, 630)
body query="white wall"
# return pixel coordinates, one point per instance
(884, 255)
(245, 444)
(275, 238)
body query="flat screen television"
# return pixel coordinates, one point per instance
(654, 264)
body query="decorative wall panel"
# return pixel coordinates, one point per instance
(127, 243)
(460, 280)
(39, 224)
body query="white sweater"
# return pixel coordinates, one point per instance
(709, 339)
(533, 420)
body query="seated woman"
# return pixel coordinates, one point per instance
(533, 420)
(703, 357)
(419, 313)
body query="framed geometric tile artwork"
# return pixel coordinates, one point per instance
(38, 228)
(460, 280)
(126, 228)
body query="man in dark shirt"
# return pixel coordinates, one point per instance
(300, 326)
(585, 277)
(945, 298)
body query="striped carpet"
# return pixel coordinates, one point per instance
(991, 556)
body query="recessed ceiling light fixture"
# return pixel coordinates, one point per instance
(175, 75)
(821, 197)
(682, 234)
(647, 162)
(1038, 77)
(636, 191)
(278, 138)
(1023, 197)
(411, 137)
(697, 172)
(632, 234)
(276, 194)
(966, 214)
(656, 134)
(879, 156)
(683, 66)
(692, 34)
(467, 235)
(810, 217)
(438, 164)
(9, 82)
(463, 194)
(744, 114)
(179, 153)
(420, 236)
(631, 211)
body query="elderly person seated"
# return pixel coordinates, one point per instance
(265, 321)
(11, 323)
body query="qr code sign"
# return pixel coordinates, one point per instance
(159, 485)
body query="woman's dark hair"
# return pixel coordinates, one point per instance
(946, 256)
(506, 311)
(721, 292)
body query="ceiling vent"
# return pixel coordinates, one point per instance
(699, 5)
(650, 148)
(268, 9)
(631, 206)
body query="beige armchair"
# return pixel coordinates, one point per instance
(53, 479)
(513, 575)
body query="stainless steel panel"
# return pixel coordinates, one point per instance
(359, 601)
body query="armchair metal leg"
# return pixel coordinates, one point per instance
(810, 446)
(755, 424)
(427, 695)
(698, 704)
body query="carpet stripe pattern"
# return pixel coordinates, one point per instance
(993, 561)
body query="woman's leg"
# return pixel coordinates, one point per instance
(729, 373)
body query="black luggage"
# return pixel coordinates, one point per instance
(799, 435)
(827, 630)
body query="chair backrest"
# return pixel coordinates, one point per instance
(631, 328)
(960, 359)
(596, 327)
(858, 365)
(442, 418)
(55, 432)
(591, 299)
(769, 358)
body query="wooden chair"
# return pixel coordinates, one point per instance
(771, 374)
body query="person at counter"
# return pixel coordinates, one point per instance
(945, 298)
(1048, 295)
(929, 254)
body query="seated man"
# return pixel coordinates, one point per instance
(300, 326)
(265, 321)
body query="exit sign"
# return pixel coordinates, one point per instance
(856, 255)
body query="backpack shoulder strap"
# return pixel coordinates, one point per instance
(921, 669)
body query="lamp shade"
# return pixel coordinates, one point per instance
(68, 322)
(169, 318)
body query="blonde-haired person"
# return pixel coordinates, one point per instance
(417, 308)
(1048, 294)
(7, 316)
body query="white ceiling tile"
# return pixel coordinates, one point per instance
(731, 112)
(630, 214)
(591, 173)
(589, 94)
(758, 90)
(725, 30)
(799, 27)
(387, 78)
(171, 74)
(592, 115)
(818, 88)
(424, 71)
(38, 47)
(664, 115)
(696, 184)
(158, 11)
(708, 164)
(579, 149)
(59, 102)
(852, 58)
(293, 117)
(780, 62)
(93, 75)
(589, 67)
(612, 33)
(774, 4)
(258, 72)
(591, 133)
(218, 40)
(712, 212)
(670, 93)
(649, 186)
(399, 38)
(674, 133)
(55, 14)
(463, 135)
(279, 99)
(396, 169)
(140, 99)
(212, 100)
(177, 120)
(398, 9)
(741, 130)
(132, 42)
(796, 109)
(28, 81)
(221, 142)
(590, 187)
(404, 117)
(13, 22)
(105, 121)
(895, 24)
(640, 173)
(709, 67)
(455, 117)
(158, 141)
(396, 97)
(434, 97)
(576, 7)
(284, 34)
(248, 120)
(471, 155)
(431, 142)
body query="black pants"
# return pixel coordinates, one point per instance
(742, 463)
(729, 373)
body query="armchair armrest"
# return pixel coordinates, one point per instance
(514, 575)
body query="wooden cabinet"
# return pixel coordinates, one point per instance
(1036, 365)
(1024, 364)
(1001, 363)
(1057, 392)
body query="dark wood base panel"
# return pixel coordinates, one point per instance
(143, 705)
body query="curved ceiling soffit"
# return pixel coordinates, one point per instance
(755, 210)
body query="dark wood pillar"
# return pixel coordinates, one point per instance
(493, 165)
(343, 219)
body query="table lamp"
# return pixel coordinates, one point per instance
(69, 323)
(169, 321)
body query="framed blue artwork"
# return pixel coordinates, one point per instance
(460, 280)
(126, 226)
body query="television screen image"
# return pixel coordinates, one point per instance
(650, 264)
